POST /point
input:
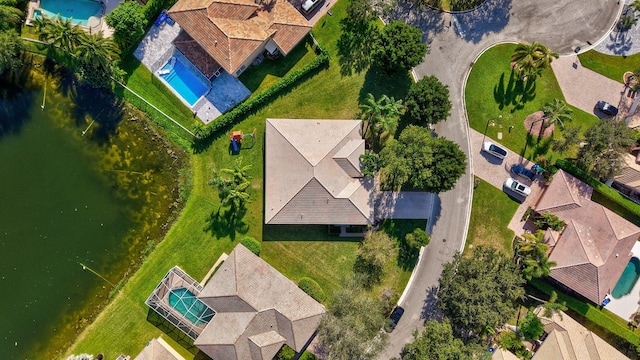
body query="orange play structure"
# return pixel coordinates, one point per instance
(237, 137)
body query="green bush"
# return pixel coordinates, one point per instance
(312, 289)
(251, 244)
(237, 113)
(607, 192)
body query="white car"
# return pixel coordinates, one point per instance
(494, 150)
(517, 187)
(310, 5)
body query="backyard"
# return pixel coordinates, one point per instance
(195, 241)
(493, 89)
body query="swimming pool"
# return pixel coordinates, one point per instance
(183, 81)
(79, 10)
(628, 279)
(189, 306)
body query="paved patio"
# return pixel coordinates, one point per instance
(403, 205)
(225, 92)
(628, 304)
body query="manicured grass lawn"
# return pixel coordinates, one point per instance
(491, 213)
(493, 90)
(610, 66)
(194, 242)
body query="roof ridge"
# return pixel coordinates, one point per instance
(296, 194)
(590, 247)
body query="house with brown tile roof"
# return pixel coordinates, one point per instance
(312, 173)
(234, 32)
(258, 310)
(594, 247)
(566, 339)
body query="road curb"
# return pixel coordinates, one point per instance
(413, 275)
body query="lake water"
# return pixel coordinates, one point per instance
(80, 185)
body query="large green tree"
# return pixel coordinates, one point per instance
(420, 161)
(531, 255)
(606, 143)
(374, 252)
(399, 47)
(437, 342)
(12, 46)
(480, 291)
(10, 15)
(128, 22)
(531, 327)
(351, 327)
(531, 59)
(427, 101)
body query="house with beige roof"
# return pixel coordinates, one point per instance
(595, 246)
(312, 176)
(232, 33)
(565, 339)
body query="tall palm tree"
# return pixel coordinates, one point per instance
(9, 14)
(531, 59)
(239, 173)
(556, 111)
(531, 255)
(97, 51)
(60, 34)
(371, 110)
(381, 116)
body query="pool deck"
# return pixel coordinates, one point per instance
(225, 91)
(628, 304)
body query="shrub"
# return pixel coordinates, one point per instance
(312, 288)
(237, 113)
(251, 244)
(128, 22)
(285, 353)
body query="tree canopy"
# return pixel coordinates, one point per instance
(531, 59)
(427, 101)
(399, 47)
(436, 342)
(10, 51)
(418, 160)
(556, 111)
(10, 15)
(373, 254)
(606, 142)
(351, 327)
(128, 22)
(531, 327)
(479, 291)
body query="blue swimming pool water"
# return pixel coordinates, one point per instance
(184, 82)
(628, 279)
(79, 10)
(187, 304)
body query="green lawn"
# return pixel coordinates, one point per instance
(493, 90)
(610, 66)
(491, 212)
(195, 242)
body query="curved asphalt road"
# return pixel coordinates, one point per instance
(455, 41)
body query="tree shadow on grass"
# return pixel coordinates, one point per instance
(227, 223)
(379, 83)
(171, 331)
(515, 93)
(355, 45)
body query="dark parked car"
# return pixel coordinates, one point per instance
(523, 171)
(395, 316)
(606, 108)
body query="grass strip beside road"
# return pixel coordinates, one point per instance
(611, 66)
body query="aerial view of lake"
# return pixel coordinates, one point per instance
(86, 189)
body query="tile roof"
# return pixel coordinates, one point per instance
(568, 340)
(196, 54)
(595, 246)
(258, 310)
(158, 349)
(231, 31)
(312, 173)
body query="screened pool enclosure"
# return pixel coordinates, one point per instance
(175, 299)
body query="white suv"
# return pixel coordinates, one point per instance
(310, 5)
(494, 150)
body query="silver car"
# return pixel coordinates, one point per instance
(517, 187)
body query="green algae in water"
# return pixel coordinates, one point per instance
(81, 184)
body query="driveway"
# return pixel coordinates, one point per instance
(582, 87)
(455, 41)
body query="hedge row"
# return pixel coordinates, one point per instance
(240, 111)
(252, 244)
(607, 192)
(312, 288)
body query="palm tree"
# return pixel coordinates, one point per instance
(9, 14)
(371, 110)
(238, 173)
(60, 34)
(531, 255)
(531, 59)
(556, 111)
(381, 115)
